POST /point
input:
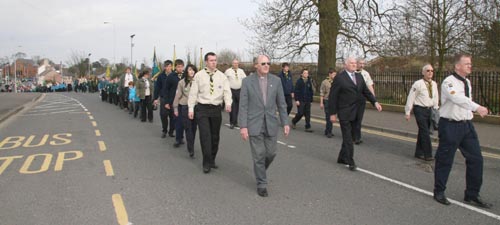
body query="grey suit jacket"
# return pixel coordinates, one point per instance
(253, 112)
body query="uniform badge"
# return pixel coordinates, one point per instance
(452, 92)
(450, 85)
(220, 86)
(414, 89)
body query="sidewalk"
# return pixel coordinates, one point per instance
(12, 103)
(395, 123)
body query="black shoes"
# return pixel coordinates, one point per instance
(191, 155)
(341, 161)
(294, 126)
(309, 130)
(214, 166)
(262, 192)
(177, 144)
(164, 135)
(206, 169)
(358, 142)
(477, 201)
(353, 167)
(329, 135)
(231, 126)
(425, 158)
(441, 198)
(171, 134)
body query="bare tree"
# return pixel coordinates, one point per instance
(285, 29)
(78, 63)
(226, 56)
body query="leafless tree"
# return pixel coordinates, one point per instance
(226, 56)
(78, 63)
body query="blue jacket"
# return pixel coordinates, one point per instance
(304, 90)
(287, 83)
(161, 86)
(132, 95)
(171, 86)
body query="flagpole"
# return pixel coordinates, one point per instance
(201, 59)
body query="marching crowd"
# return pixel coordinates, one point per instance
(260, 103)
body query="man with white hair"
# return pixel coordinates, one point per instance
(235, 75)
(423, 97)
(347, 94)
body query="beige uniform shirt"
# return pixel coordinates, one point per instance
(419, 95)
(324, 90)
(235, 77)
(367, 77)
(205, 92)
(181, 95)
(454, 104)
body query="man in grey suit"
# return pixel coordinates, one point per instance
(261, 95)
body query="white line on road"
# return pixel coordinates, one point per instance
(484, 212)
(44, 114)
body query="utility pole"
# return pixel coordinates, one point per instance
(131, 47)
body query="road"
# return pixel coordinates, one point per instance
(72, 159)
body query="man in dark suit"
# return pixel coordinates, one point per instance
(347, 93)
(260, 97)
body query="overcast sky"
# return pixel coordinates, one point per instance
(55, 28)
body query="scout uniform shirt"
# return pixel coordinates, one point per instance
(209, 89)
(455, 105)
(324, 90)
(235, 77)
(420, 95)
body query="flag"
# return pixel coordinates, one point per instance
(201, 59)
(135, 69)
(156, 66)
(174, 58)
(108, 73)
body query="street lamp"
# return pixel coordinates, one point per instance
(131, 46)
(114, 40)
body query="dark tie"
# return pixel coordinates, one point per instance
(466, 85)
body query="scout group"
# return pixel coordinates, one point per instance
(260, 103)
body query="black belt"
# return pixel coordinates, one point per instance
(454, 121)
(209, 105)
(422, 107)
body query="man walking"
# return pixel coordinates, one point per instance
(160, 96)
(423, 97)
(287, 82)
(348, 92)
(324, 93)
(209, 89)
(261, 96)
(235, 75)
(172, 82)
(304, 92)
(456, 131)
(356, 131)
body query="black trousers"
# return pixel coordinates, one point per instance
(233, 115)
(209, 120)
(289, 103)
(461, 135)
(104, 95)
(189, 127)
(146, 105)
(423, 117)
(166, 115)
(356, 128)
(346, 154)
(304, 109)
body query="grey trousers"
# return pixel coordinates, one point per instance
(263, 152)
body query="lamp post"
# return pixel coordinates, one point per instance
(131, 47)
(114, 40)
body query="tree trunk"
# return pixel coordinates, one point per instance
(329, 25)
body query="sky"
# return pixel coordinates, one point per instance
(55, 29)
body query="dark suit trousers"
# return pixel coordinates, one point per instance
(461, 135)
(423, 117)
(179, 127)
(304, 109)
(347, 151)
(146, 105)
(356, 129)
(289, 103)
(189, 127)
(233, 115)
(166, 115)
(209, 120)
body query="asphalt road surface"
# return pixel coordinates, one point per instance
(72, 159)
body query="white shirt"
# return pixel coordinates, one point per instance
(128, 78)
(454, 104)
(367, 77)
(201, 91)
(419, 95)
(235, 77)
(146, 86)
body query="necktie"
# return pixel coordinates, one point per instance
(236, 74)
(466, 85)
(429, 87)
(353, 77)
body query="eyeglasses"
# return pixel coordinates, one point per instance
(432, 71)
(265, 63)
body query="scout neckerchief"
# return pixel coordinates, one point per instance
(179, 75)
(211, 74)
(466, 85)
(428, 84)
(286, 75)
(236, 73)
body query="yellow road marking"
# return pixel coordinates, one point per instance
(91, 117)
(102, 146)
(94, 123)
(97, 133)
(121, 212)
(108, 168)
(399, 137)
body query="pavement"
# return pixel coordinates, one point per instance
(385, 121)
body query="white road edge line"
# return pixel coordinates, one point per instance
(484, 212)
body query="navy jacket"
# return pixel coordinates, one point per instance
(287, 83)
(172, 82)
(161, 85)
(304, 90)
